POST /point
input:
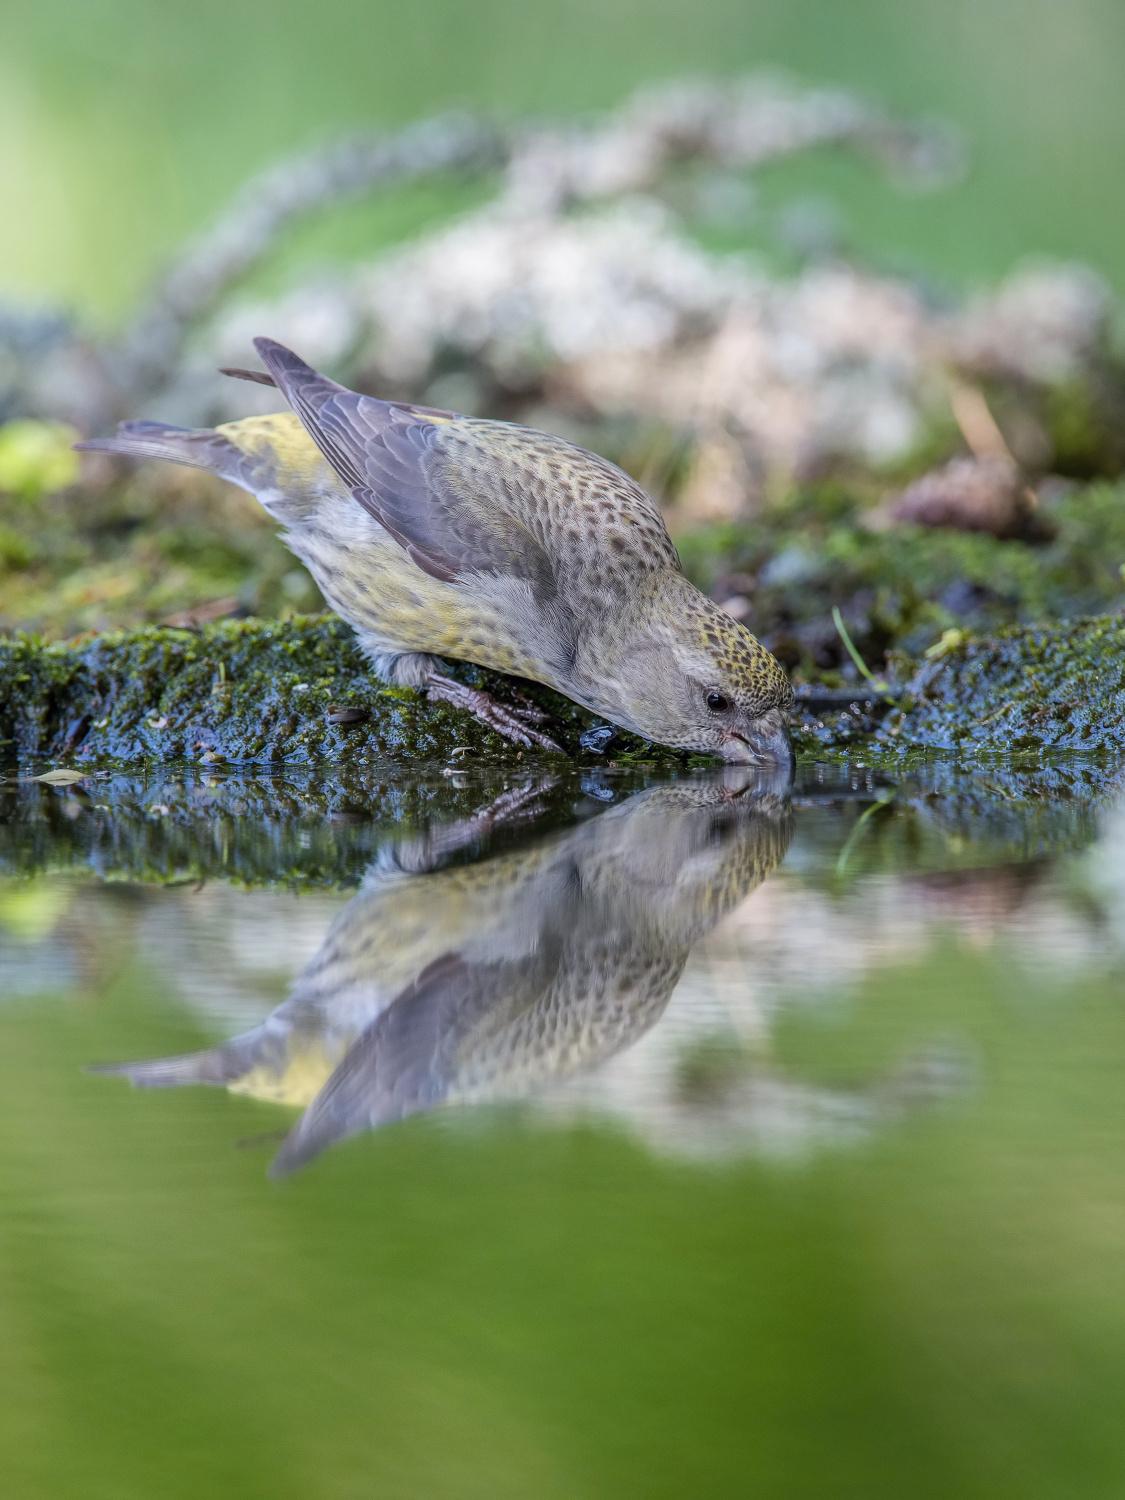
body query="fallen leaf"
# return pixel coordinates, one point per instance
(61, 778)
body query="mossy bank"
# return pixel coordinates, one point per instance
(1056, 686)
(299, 692)
(247, 692)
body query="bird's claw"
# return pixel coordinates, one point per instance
(513, 724)
(531, 714)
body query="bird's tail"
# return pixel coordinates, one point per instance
(199, 447)
(172, 1072)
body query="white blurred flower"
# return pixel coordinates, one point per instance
(1043, 323)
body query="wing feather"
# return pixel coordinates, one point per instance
(403, 464)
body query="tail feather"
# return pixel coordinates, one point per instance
(198, 447)
(236, 372)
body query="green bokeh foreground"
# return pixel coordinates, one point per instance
(480, 1306)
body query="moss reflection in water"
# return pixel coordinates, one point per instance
(480, 1306)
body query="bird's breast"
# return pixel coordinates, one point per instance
(370, 581)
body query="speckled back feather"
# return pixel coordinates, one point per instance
(464, 495)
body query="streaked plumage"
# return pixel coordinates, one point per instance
(437, 535)
(492, 978)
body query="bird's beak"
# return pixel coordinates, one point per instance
(760, 742)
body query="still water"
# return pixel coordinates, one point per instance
(593, 1135)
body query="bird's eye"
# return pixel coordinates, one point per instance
(717, 702)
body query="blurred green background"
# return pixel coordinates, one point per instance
(127, 123)
(459, 1307)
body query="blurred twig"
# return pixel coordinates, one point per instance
(269, 204)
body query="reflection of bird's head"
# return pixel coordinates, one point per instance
(479, 979)
(683, 854)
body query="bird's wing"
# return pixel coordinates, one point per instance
(398, 462)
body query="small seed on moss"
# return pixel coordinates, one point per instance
(338, 714)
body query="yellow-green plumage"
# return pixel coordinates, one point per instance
(359, 567)
(437, 535)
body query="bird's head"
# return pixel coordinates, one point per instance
(692, 677)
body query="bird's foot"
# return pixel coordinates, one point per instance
(514, 724)
(531, 713)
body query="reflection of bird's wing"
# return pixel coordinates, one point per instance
(406, 1060)
(585, 989)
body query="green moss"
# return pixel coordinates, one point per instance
(1052, 686)
(16, 551)
(247, 692)
(258, 693)
(1083, 420)
(141, 550)
(900, 590)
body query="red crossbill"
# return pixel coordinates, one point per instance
(436, 535)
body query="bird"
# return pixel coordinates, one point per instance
(438, 536)
(448, 982)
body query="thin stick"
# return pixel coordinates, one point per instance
(981, 431)
(978, 426)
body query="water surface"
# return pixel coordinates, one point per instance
(599, 1134)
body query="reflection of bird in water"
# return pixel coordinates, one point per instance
(476, 980)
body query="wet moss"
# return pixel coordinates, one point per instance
(1055, 686)
(249, 692)
(268, 694)
(1027, 688)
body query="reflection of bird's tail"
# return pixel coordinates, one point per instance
(198, 447)
(217, 1065)
(169, 1072)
